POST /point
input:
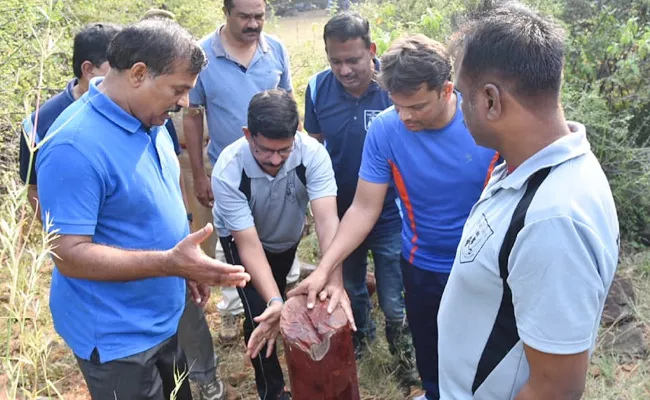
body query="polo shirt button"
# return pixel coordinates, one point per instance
(355, 118)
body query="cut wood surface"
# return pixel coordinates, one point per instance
(319, 352)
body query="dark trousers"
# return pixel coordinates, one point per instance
(422, 294)
(268, 374)
(144, 376)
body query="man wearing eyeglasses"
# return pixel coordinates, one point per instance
(264, 182)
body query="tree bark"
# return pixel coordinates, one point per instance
(319, 352)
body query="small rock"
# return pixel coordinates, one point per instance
(627, 342)
(595, 371)
(619, 303)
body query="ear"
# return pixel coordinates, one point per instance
(87, 69)
(493, 99)
(447, 90)
(247, 133)
(373, 49)
(137, 74)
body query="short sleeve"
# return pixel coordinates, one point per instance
(70, 190)
(374, 161)
(557, 290)
(320, 175)
(285, 78)
(230, 206)
(311, 122)
(197, 93)
(25, 157)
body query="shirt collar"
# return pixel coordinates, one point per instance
(566, 148)
(69, 89)
(220, 51)
(109, 109)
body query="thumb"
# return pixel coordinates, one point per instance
(201, 235)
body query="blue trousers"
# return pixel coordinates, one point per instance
(386, 253)
(423, 292)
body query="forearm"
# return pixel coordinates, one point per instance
(353, 229)
(193, 129)
(539, 392)
(256, 264)
(103, 263)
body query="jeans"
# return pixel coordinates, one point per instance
(423, 292)
(386, 252)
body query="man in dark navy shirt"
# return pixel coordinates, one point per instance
(340, 104)
(88, 61)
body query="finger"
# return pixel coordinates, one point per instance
(239, 279)
(311, 299)
(262, 317)
(298, 290)
(258, 347)
(270, 344)
(322, 295)
(347, 309)
(194, 293)
(202, 234)
(334, 301)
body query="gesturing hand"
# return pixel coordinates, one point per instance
(266, 331)
(191, 263)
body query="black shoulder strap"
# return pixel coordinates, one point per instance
(504, 335)
(301, 171)
(245, 185)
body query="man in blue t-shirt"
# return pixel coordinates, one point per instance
(340, 104)
(109, 187)
(422, 146)
(88, 61)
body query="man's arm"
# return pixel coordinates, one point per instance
(326, 220)
(254, 261)
(554, 377)
(356, 224)
(78, 257)
(193, 130)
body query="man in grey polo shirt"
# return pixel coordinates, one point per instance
(242, 61)
(520, 314)
(263, 183)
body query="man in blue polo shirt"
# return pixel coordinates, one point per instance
(422, 146)
(242, 61)
(113, 198)
(340, 104)
(88, 61)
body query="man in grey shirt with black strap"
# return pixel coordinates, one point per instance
(520, 314)
(264, 182)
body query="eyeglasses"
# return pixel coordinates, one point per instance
(266, 152)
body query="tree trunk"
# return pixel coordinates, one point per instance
(319, 352)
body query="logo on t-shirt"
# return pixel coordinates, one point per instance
(472, 245)
(368, 116)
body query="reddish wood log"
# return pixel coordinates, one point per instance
(319, 352)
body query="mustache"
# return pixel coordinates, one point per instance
(252, 30)
(270, 164)
(175, 109)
